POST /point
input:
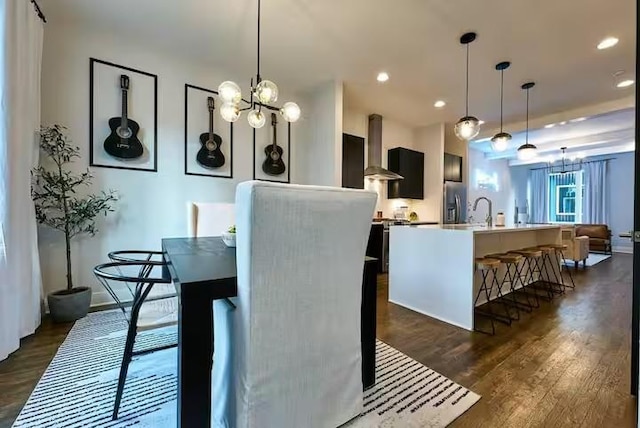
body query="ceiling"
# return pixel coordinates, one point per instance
(307, 42)
(612, 132)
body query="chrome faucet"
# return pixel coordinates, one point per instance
(489, 218)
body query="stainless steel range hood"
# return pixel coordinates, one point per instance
(374, 143)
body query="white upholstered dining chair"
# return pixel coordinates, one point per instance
(209, 218)
(289, 354)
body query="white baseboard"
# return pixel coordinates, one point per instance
(624, 250)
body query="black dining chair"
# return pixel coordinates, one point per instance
(151, 301)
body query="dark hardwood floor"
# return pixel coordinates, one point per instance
(20, 373)
(564, 365)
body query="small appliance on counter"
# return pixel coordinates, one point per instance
(401, 213)
(500, 219)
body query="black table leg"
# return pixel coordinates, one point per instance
(195, 354)
(368, 324)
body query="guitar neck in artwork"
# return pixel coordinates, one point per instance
(273, 164)
(123, 142)
(210, 154)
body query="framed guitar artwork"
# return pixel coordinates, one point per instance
(208, 140)
(272, 150)
(123, 112)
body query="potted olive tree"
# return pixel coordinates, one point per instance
(57, 204)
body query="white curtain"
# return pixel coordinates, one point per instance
(20, 64)
(594, 210)
(539, 189)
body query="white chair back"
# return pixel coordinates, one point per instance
(209, 219)
(291, 350)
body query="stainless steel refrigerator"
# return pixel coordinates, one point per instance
(455, 203)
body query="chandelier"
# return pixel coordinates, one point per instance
(566, 165)
(263, 94)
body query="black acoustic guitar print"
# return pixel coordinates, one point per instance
(210, 155)
(273, 165)
(123, 141)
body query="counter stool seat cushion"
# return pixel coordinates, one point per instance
(559, 246)
(509, 258)
(487, 263)
(534, 253)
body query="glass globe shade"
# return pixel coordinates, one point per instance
(290, 111)
(230, 112)
(500, 141)
(230, 92)
(267, 92)
(256, 119)
(527, 152)
(467, 128)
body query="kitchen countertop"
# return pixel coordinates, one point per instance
(479, 228)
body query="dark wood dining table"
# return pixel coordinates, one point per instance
(204, 270)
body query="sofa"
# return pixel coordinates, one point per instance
(599, 236)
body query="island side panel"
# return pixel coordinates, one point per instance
(431, 272)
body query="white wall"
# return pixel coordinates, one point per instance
(152, 205)
(430, 140)
(322, 129)
(502, 195)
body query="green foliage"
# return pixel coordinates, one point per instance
(55, 191)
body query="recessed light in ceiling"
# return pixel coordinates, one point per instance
(578, 119)
(607, 43)
(551, 125)
(564, 122)
(481, 122)
(625, 83)
(439, 104)
(382, 77)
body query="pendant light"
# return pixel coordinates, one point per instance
(468, 126)
(527, 151)
(263, 94)
(500, 141)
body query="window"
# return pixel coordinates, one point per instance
(566, 193)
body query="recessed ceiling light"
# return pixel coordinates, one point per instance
(578, 119)
(551, 125)
(564, 122)
(607, 43)
(625, 83)
(439, 104)
(482, 123)
(382, 77)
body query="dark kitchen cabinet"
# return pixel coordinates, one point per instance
(409, 164)
(452, 167)
(352, 161)
(375, 246)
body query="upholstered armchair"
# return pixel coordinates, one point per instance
(577, 246)
(289, 353)
(599, 236)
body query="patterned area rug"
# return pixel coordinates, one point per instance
(78, 387)
(592, 260)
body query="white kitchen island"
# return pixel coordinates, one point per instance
(431, 268)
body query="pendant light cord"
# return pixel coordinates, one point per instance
(467, 87)
(501, 96)
(258, 56)
(527, 134)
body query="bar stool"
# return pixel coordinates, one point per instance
(511, 261)
(530, 266)
(547, 252)
(559, 253)
(488, 266)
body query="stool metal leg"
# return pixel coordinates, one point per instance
(489, 313)
(513, 276)
(563, 265)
